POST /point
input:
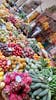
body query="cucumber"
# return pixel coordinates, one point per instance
(42, 80)
(27, 67)
(33, 76)
(36, 71)
(33, 84)
(44, 86)
(45, 97)
(35, 80)
(33, 66)
(31, 71)
(36, 86)
(43, 93)
(35, 93)
(49, 95)
(30, 93)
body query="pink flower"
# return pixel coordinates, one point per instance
(7, 80)
(23, 95)
(27, 89)
(15, 90)
(20, 98)
(13, 97)
(26, 74)
(7, 89)
(12, 77)
(29, 80)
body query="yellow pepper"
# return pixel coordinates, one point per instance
(40, 45)
(1, 73)
(1, 78)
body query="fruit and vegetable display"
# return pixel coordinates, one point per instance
(27, 68)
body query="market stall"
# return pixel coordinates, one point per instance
(27, 52)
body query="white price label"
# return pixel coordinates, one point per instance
(18, 79)
(9, 62)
